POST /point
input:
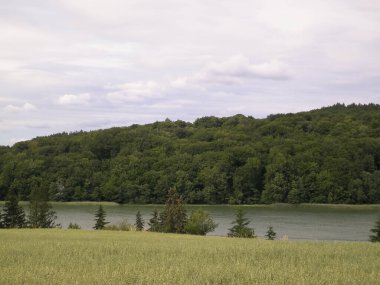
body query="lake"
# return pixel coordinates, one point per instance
(301, 222)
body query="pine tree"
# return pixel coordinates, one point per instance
(14, 215)
(41, 214)
(271, 235)
(154, 223)
(139, 222)
(376, 231)
(100, 219)
(240, 228)
(175, 213)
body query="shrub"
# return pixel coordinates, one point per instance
(120, 226)
(74, 226)
(200, 223)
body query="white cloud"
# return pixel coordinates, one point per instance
(71, 99)
(234, 70)
(23, 108)
(134, 91)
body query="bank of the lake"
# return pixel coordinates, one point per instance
(297, 222)
(105, 257)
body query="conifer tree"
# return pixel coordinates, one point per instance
(100, 219)
(41, 214)
(14, 215)
(175, 213)
(240, 228)
(139, 222)
(271, 235)
(154, 223)
(376, 231)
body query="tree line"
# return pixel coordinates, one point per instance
(173, 219)
(329, 155)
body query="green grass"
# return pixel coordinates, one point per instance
(105, 257)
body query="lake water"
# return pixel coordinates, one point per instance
(303, 222)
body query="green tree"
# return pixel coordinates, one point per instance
(14, 215)
(139, 222)
(271, 235)
(154, 223)
(376, 230)
(240, 228)
(200, 223)
(41, 214)
(100, 219)
(175, 213)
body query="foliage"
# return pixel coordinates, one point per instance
(154, 223)
(120, 226)
(105, 257)
(200, 223)
(376, 230)
(139, 222)
(100, 219)
(74, 226)
(174, 213)
(270, 235)
(13, 215)
(330, 155)
(41, 214)
(240, 228)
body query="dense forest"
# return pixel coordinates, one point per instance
(329, 155)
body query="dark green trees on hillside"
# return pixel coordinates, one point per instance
(330, 155)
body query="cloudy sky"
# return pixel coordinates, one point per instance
(67, 65)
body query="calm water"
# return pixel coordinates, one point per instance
(305, 222)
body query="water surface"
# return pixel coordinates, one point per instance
(302, 222)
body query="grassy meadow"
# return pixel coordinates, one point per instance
(105, 257)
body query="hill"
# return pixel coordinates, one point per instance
(330, 155)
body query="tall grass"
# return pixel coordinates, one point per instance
(107, 257)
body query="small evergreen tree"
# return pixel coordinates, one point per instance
(41, 214)
(271, 235)
(100, 219)
(376, 231)
(200, 223)
(14, 215)
(154, 223)
(139, 222)
(240, 228)
(174, 213)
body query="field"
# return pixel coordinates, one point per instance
(104, 257)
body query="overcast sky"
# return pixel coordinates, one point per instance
(68, 65)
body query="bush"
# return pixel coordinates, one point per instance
(74, 226)
(200, 223)
(120, 226)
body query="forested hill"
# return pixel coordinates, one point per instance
(330, 155)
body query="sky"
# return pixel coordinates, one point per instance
(70, 65)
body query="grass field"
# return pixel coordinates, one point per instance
(104, 257)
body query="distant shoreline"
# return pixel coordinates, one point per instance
(274, 205)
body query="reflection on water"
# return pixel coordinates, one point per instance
(306, 222)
